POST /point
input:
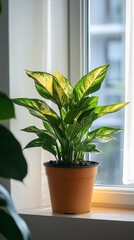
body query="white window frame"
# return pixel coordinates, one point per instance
(72, 67)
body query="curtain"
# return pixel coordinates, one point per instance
(128, 165)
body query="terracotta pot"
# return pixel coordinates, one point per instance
(71, 188)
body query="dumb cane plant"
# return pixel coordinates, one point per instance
(66, 132)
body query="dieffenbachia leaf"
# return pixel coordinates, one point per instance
(12, 226)
(64, 83)
(44, 93)
(87, 117)
(45, 143)
(48, 87)
(46, 139)
(73, 129)
(88, 147)
(102, 134)
(48, 127)
(102, 110)
(38, 108)
(81, 107)
(89, 102)
(89, 83)
(59, 95)
(39, 132)
(104, 139)
(43, 79)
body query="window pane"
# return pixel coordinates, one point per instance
(107, 11)
(107, 31)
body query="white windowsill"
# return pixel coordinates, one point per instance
(109, 214)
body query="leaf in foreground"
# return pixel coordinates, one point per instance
(12, 226)
(11, 156)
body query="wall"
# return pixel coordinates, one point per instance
(66, 228)
(4, 61)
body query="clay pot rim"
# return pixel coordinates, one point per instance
(90, 165)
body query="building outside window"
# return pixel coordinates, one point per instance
(107, 45)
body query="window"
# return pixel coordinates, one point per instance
(107, 38)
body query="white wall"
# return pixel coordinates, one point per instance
(66, 228)
(26, 43)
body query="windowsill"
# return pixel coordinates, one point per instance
(109, 214)
(100, 223)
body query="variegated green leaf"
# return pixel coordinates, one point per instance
(102, 133)
(87, 117)
(38, 115)
(31, 129)
(87, 147)
(102, 110)
(50, 148)
(73, 129)
(89, 102)
(52, 120)
(48, 127)
(38, 108)
(35, 104)
(39, 132)
(35, 143)
(64, 83)
(104, 139)
(59, 95)
(89, 83)
(81, 107)
(44, 93)
(43, 79)
(60, 133)
(40, 143)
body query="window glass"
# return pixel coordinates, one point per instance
(107, 34)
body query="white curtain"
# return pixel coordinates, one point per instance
(128, 168)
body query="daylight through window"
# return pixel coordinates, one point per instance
(107, 45)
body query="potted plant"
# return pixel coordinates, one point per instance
(66, 134)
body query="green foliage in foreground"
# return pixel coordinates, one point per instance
(65, 133)
(12, 165)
